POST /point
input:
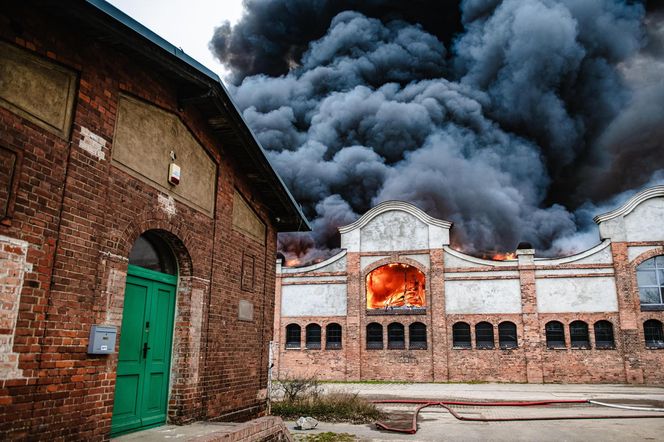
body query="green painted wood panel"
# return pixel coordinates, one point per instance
(141, 392)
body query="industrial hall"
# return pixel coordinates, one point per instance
(138, 229)
(399, 303)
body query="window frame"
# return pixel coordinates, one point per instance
(312, 344)
(657, 343)
(290, 344)
(601, 343)
(658, 269)
(506, 344)
(484, 330)
(333, 345)
(419, 343)
(373, 343)
(456, 343)
(398, 329)
(579, 328)
(554, 345)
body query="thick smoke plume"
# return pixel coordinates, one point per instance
(512, 119)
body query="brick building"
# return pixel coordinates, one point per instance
(398, 303)
(132, 196)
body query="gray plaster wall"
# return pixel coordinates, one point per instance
(576, 295)
(313, 300)
(393, 231)
(483, 296)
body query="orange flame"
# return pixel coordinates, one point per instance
(294, 262)
(510, 256)
(395, 285)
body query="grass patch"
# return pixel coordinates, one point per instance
(332, 407)
(328, 436)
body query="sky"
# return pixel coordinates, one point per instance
(188, 25)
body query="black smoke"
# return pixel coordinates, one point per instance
(513, 119)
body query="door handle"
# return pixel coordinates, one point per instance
(145, 350)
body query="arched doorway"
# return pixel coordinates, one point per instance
(143, 371)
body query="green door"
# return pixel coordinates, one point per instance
(141, 389)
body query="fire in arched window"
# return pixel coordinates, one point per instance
(396, 286)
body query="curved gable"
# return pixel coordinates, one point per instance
(393, 226)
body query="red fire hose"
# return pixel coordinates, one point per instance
(446, 406)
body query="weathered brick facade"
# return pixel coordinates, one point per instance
(71, 215)
(596, 285)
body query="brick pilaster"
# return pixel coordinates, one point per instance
(628, 307)
(354, 333)
(532, 334)
(439, 344)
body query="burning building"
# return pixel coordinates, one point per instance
(398, 303)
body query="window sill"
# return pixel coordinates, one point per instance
(607, 347)
(485, 348)
(293, 348)
(333, 348)
(462, 348)
(580, 347)
(312, 348)
(654, 347)
(374, 348)
(417, 348)
(652, 307)
(509, 347)
(556, 348)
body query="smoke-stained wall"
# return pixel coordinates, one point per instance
(514, 119)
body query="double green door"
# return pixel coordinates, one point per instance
(141, 389)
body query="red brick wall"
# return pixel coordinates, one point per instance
(80, 216)
(630, 361)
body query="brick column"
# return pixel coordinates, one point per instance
(354, 334)
(628, 308)
(439, 342)
(276, 338)
(532, 344)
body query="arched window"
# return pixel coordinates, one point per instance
(604, 335)
(313, 336)
(507, 335)
(461, 335)
(395, 336)
(293, 332)
(483, 335)
(374, 336)
(650, 276)
(652, 330)
(333, 336)
(555, 335)
(153, 253)
(578, 335)
(417, 336)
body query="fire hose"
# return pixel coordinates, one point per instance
(447, 406)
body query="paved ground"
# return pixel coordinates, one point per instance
(436, 424)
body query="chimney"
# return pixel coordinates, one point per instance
(525, 253)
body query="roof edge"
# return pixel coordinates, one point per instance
(144, 32)
(631, 204)
(391, 205)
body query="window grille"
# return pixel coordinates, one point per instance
(484, 335)
(374, 336)
(313, 336)
(293, 336)
(555, 335)
(333, 336)
(507, 335)
(578, 335)
(461, 335)
(417, 336)
(604, 335)
(395, 336)
(652, 331)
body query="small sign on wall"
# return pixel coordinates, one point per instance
(246, 311)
